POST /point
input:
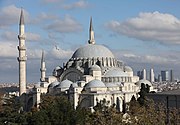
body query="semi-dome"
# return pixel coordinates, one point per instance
(64, 84)
(95, 68)
(74, 85)
(53, 84)
(92, 51)
(128, 69)
(116, 73)
(95, 84)
(37, 84)
(143, 81)
(57, 68)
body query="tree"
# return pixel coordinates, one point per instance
(104, 114)
(55, 110)
(12, 111)
(143, 91)
(1, 101)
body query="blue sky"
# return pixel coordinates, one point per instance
(142, 33)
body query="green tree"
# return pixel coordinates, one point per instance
(143, 92)
(105, 115)
(56, 110)
(12, 111)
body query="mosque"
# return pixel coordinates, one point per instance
(90, 75)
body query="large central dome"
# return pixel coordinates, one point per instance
(92, 51)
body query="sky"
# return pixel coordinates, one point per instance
(141, 33)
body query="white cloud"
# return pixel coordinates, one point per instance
(33, 54)
(75, 5)
(47, 16)
(80, 4)
(8, 49)
(51, 1)
(164, 28)
(13, 36)
(66, 25)
(59, 53)
(53, 53)
(33, 37)
(166, 58)
(9, 15)
(9, 35)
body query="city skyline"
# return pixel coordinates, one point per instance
(59, 27)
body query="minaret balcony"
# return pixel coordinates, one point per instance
(43, 70)
(21, 37)
(24, 58)
(21, 48)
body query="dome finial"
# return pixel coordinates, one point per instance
(91, 33)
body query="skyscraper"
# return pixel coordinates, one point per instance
(139, 74)
(151, 77)
(159, 78)
(165, 75)
(144, 74)
(171, 76)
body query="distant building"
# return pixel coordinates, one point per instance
(165, 75)
(159, 78)
(144, 74)
(151, 76)
(171, 76)
(139, 74)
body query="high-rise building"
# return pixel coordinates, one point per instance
(139, 74)
(165, 75)
(159, 78)
(151, 76)
(144, 74)
(171, 76)
(22, 56)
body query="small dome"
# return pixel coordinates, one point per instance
(37, 85)
(110, 85)
(64, 84)
(74, 85)
(53, 84)
(95, 68)
(57, 68)
(128, 69)
(116, 73)
(95, 84)
(143, 81)
(92, 51)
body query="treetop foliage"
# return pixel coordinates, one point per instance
(57, 110)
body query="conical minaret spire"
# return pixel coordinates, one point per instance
(22, 55)
(43, 68)
(21, 22)
(91, 33)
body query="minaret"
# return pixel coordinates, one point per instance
(43, 68)
(91, 33)
(22, 56)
